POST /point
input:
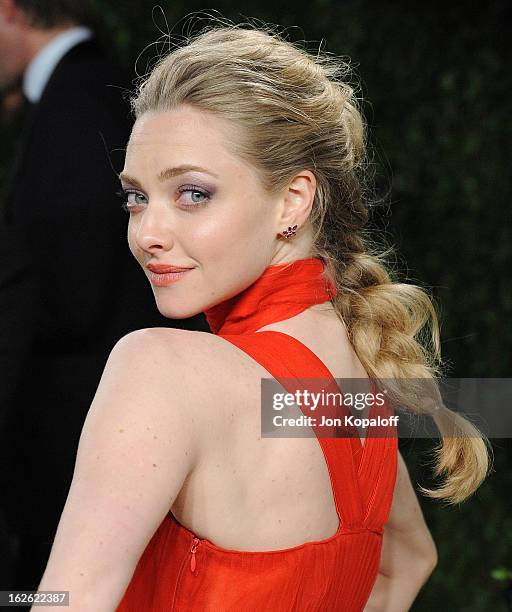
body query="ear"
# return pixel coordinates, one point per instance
(297, 200)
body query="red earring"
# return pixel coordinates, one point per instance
(290, 232)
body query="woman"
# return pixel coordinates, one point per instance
(242, 185)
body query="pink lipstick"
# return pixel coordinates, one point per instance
(162, 275)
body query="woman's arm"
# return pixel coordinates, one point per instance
(408, 551)
(136, 449)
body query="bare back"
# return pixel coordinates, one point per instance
(248, 492)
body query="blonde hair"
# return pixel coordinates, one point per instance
(297, 111)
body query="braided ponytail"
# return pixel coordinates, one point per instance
(296, 111)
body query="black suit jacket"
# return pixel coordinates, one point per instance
(66, 262)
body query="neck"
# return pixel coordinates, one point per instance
(281, 292)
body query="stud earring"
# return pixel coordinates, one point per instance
(290, 232)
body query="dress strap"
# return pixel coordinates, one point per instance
(359, 474)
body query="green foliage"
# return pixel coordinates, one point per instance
(502, 574)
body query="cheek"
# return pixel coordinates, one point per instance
(242, 232)
(237, 230)
(132, 243)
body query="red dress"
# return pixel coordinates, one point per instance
(180, 571)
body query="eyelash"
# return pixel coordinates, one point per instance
(124, 193)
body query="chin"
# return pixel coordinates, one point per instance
(172, 312)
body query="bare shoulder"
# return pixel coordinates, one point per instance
(198, 370)
(137, 448)
(193, 354)
(156, 372)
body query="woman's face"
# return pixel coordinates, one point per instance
(193, 204)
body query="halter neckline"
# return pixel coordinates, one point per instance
(281, 292)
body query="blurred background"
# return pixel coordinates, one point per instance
(436, 89)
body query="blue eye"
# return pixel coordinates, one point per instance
(125, 194)
(195, 191)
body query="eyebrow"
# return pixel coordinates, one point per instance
(168, 173)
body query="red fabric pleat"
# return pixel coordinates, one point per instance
(281, 292)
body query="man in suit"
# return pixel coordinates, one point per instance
(65, 259)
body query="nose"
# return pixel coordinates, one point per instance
(155, 232)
